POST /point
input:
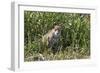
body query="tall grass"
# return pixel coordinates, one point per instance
(75, 34)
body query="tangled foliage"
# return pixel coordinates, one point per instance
(74, 40)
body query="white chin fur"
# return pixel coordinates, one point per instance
(56, 32)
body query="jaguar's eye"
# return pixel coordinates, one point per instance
(55, 29)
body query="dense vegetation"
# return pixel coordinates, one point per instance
(75, 35)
